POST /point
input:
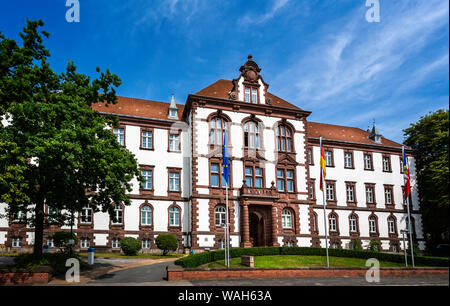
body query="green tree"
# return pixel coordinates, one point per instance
(166, 243)
(54, 149)
(429, 138)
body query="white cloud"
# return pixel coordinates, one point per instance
(250, 19)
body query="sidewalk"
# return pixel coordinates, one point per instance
(104, 266)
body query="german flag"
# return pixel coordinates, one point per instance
(323, 167)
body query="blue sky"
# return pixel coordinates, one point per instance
(321, 55)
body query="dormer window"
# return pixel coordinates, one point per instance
(251, 95)
(173, 113)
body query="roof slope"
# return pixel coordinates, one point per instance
(221, 89)
(139, 108)
(345, 133)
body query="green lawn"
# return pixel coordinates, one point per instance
(300, 261)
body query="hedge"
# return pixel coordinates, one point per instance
(196, 260)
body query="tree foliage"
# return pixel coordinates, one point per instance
(429, 137)
(54, 149)
(166, 243)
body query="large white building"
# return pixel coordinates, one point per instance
(274, 194)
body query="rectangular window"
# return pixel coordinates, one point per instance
(254, 95)
(174, 142)
(16, 242)
(310, 157)
(249, 176)
(247, 94)
(116, 243)
(369, 194)
(386, 164)
(311, 191)
(330, 192)
(148, 179)
(258, 177)
(147, 140)
(328, 158)
(290, 180)
(120, 134)
(388, 195)
(85, 243)
(348, 159)
(146, 244)
(174, 181)
(280, 180)
(367, 162)
(215, 175)
(86, 215)
(350, 193)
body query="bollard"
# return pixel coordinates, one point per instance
(192, 252)
(91, 253)
(46, 249)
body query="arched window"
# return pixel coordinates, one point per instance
(333, 223)
(174, 216)
(391, 225)
(353, 224)
(146, 215)
(118, 213)
(217, 126)
(372, 224)
(252, 138)
(284, 139)
(220, 215)
(286, 218)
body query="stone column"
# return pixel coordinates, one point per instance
(274, 226)
(245, 227)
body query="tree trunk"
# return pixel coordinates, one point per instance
(39, 228)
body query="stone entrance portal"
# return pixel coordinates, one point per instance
(256, 230)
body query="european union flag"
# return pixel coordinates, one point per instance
(225, 162)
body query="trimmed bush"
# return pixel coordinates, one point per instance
(196, 260)
(374, 246)
(356, 245)
(130, 246)
(166, 243)
(61, 240)
(57, 261)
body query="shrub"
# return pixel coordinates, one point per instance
(416, 249)
(356, 244)
(61, 240)
(57, 261)
(374, 246)
(206, 257)
(166, 243)
(130, 246)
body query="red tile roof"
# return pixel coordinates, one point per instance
(139, 108)
(221, 88)
(344, 133)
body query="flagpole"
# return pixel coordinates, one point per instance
(409, 215)
(324, 207)
(227, 230)
(410, 234)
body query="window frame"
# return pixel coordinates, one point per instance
(251, 91)
(120, 127)
(178, 218)
(287, 215)
(351, 159)
(169, 146)
(374, 200)
(370, 155)
(171, 170)
(257, 134)
(122, 210)
(388, 157)
(287, 139)
(285, 179)
(147, 130)
(141, 212)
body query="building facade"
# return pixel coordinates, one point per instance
(274, 189)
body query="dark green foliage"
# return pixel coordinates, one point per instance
(374, 246)
(166, 243)
(61, 240)
(356, 245)
(130, 246)
(206, 257)
(55, 149)
(429, 138)
(57, 261)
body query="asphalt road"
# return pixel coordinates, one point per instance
(154, 275)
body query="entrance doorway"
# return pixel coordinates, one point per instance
(256, 222)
